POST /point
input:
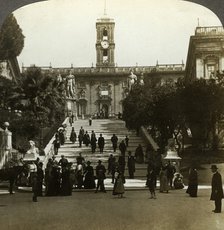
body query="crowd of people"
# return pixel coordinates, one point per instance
(61, 177)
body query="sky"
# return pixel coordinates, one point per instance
(63, 32)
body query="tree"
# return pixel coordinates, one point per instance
(202, 103)
(135, 108)
(41, 100)
(11, 39)
(44, 96)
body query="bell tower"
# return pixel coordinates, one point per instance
(105, 42)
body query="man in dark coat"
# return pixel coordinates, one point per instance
(121, 164)
(131, 165)
(40, 177)
(80, 136)
(122, 147)
(56, 144)
(101, 143)
(86, 139)
(111, 166)
(192, 182)
(217, 190)
(139, 155)
(114, 141)
(93, 141)
(61, 136)
(100, 174)
(126, 141)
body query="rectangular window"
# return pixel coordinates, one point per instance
(105, 53)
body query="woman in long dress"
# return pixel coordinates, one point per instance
(73, 136)
(89, 182)
(119, 184)
(163, 180)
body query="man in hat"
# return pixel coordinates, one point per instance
(101, 143)
(217, 190)
(100, 174)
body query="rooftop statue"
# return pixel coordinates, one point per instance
(132, 80)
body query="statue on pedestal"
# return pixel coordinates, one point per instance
(70, 83)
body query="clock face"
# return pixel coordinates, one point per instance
(105, 44)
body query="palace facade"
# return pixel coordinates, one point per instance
(102, 89)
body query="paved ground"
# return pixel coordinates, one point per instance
(87, 210)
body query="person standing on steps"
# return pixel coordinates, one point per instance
(86, 139)
(114, 141)
(139, 155)
(56, 144)
(72, 118)
(93, 141)
(122, 148)
(81, 132)
(101, 143)
(100, 174)
(126, 140)
(80, 138)
(61, 135)
(90, 121)
(73, 136)
(131, 165)
(121, 164)
(217, 190)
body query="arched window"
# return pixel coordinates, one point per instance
(104, 32)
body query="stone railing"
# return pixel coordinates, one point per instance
(214, 30)
(49, 149)
(112, 70)
(148, 138)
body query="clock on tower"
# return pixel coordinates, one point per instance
(105, 42)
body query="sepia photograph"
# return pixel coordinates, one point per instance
(111, 114)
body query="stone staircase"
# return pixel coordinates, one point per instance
(107, 127)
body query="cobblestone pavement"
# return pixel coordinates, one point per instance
(87, 210)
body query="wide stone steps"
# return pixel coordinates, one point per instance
(107, 128)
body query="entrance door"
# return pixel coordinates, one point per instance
(105, 111)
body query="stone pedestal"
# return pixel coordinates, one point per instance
(71, 107)
(173, 158)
